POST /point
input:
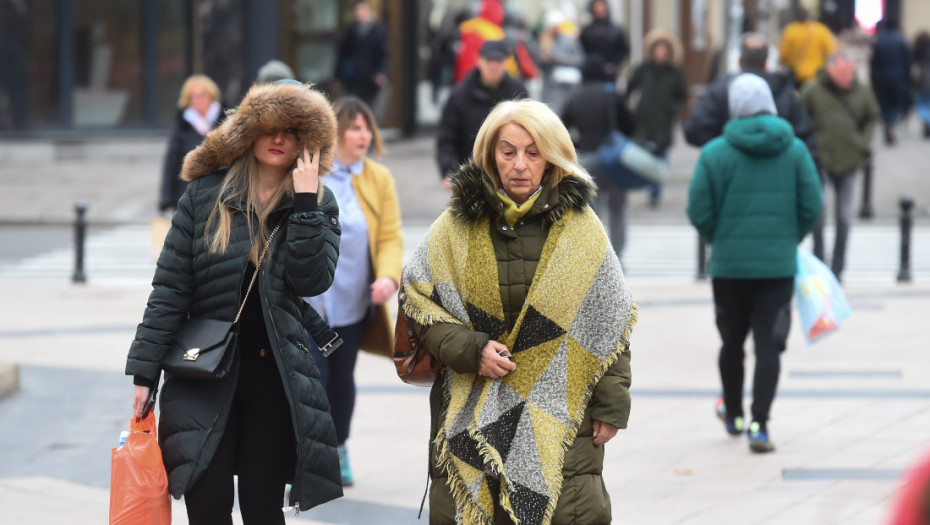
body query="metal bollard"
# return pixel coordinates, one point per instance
(702, 260)
(865, 212)
(904, 272)
(80, 230)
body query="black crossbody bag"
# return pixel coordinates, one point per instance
(205, 348)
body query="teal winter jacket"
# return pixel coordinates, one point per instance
(755, 194)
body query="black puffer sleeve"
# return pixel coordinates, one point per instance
(313, 247)
(172, 289)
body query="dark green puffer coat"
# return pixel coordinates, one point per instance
(584, 499)
(301, 262)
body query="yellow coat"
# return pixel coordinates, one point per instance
(805, 47)
(377, 196)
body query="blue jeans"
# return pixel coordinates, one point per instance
(843, 205)
(922, 103)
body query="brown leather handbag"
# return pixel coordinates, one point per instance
(415, 364)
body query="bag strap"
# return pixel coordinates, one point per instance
(257, 267)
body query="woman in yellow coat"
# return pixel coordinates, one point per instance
(369, 266)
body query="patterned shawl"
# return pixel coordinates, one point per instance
(506, 439)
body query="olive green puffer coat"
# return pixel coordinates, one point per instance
(584, 499)
(189, 278)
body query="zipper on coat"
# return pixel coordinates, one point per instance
(275, 346)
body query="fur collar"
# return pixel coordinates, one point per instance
(473, 195)
(267, 107)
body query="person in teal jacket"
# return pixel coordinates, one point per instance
(755, 194)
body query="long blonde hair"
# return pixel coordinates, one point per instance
(240, 186)
(547, 131)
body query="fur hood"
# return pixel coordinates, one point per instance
(473, 192)
(267, 107)
(657, 35)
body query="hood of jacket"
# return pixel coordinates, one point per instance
(474, 196)
(265, 108)
(492, 11)
(759, 135)
(659, 35)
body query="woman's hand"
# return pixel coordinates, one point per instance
(382, 290)
(307, 173)
(492, 364)
(139, 396)
(603, 432)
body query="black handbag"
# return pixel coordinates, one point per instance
(204, 348)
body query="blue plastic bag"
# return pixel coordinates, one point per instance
(822, 305)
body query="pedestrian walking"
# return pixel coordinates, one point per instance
(473, 33)
(805, 46)
(844, 113)
(604, 39)
(199, 111)
(516, 291)
(754, 195)
(561, 59)
(890, 72)
(658, 85)
(469, 104)
(361, 60)
(922, 85)
(711, 112)
(369, 263)
(585, 116)
(256, 223)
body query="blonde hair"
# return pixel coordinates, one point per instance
(203, 81)
(547, 131)
(347, 108)
(240, 185)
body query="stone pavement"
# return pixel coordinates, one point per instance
(852, 412)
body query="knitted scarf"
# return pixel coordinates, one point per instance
(504, 440)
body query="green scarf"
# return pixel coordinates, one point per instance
(506, 439)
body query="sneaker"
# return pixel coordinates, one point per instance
(734, 426)
(347, 478)
(759, 438)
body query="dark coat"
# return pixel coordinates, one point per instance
(583, 500)
(662, 90)
(184, 138)
(755, 194)
(712, 111)
(891, 58)
(463, 114)
(605, 42)
(189, 278)
(360, 56)
(585, 115)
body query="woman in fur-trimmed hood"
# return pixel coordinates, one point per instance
(254, 186)
(518, 293)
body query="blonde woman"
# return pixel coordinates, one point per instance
(518, 293)
(199, 111)
(369, 263)
(255, 178)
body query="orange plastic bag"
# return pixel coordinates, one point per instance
(138, 482)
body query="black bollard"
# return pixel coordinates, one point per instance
(702, 260)
(904, 272)
(865, 212)
(80, 230)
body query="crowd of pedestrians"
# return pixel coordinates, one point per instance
(531, 211)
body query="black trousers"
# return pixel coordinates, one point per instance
(337, 373)
(764, 307)
(257, 445)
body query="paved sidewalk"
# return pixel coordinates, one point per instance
(852, 414)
